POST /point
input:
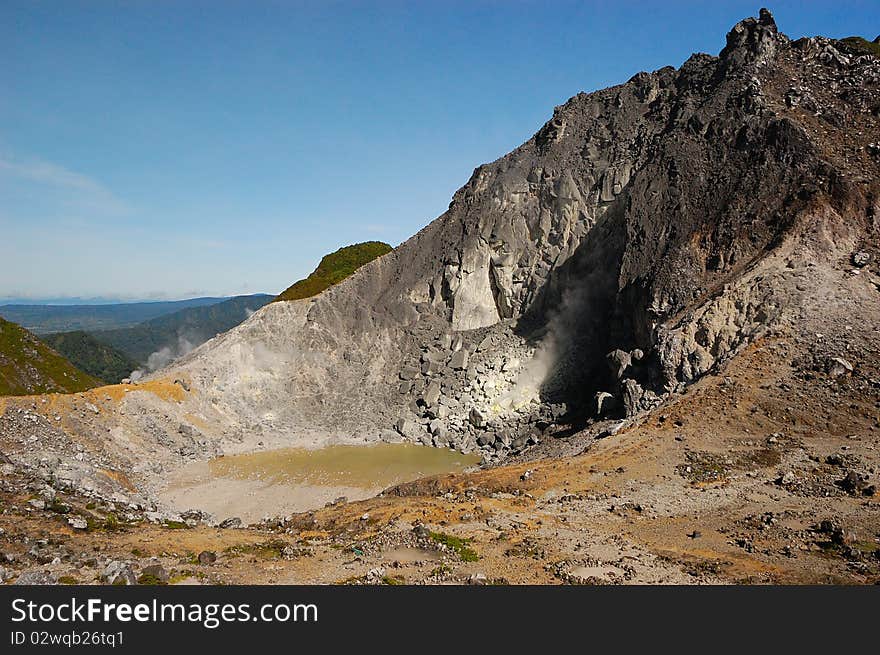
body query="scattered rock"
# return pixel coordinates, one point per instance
(153, 573)
(118, 573)
(37, 577)
(860, 258)
(459, 360)
(207, 557)
(838, 366)
(78, 523)
(478, 579)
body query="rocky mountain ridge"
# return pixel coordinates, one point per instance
(640, 239)
(658, 320)
(629, 247)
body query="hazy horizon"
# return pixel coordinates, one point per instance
(108, 300)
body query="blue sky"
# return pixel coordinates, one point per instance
(163, 149)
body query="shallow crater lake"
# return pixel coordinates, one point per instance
(284, 481)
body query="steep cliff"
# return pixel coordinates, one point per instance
(643, 236)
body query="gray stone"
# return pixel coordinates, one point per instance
(603, 402)
(233, 522)
(188, 431)
(409, 428)
(618, 362)
(632, 397)
(838, 366)
(77, 523)
(861, 259)
(486, 439)
(118, 573)
(408, 373)
(154, 573)
(207, 557)
(37, 577)
(431, 396)
(476, 418)
(459, 360)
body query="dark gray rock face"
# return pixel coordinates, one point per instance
(626, 249)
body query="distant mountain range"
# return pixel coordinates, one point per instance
(109, 342)
(43, 319)
(169, 336)
(77, 360)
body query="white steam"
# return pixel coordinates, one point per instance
(163, 357)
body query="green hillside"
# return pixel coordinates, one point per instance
(90, 355)
(334, 268)
(28, 366)
(194, 325)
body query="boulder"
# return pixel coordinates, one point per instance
(618, 361)
(486, 439)
(36, 577)
(118, 573)
(77, 523)
(207, 557)
(431, 396)
(860, 259)
(632, 396)
(837, 366)
(476, 418)
(459, 360)
(408, 372)
(603, 403)
(153, 573)
(409, 428)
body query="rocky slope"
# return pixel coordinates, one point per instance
(686, 262)
(641, 238)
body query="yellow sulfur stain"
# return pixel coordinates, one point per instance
(119, 478)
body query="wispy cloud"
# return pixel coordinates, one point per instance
(82, 189)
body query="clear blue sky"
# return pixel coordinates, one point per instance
(159, 149)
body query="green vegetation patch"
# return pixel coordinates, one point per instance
(457, 545)
(174, 525)
(95, 358)
(271, 549)
(856, 45)
(150, 579)
(334, 268)
(28, 366)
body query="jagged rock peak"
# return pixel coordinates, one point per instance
(766, 19)
(753, 39)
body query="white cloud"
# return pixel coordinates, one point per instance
(83, 189)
